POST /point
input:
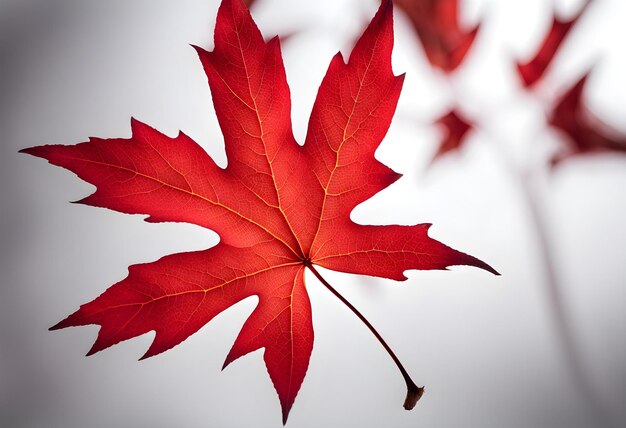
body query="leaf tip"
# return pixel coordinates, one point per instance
(139, 129)
(134, 122)
(55, 327)
(67, 322)
(286, 408)
(92, 351)
(386, 4)
(482, 265)
(38, 151)
(229, 359)
(81, 201)
(385, 10)
(197, 48)
(145, 356)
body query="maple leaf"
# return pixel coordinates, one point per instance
(278, 207)
(532, 71)
(455, 128)
(585, 132)
(437, 26)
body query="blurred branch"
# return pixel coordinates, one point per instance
(560, 314)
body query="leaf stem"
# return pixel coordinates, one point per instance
(414, 392)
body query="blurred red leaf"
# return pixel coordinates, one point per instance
(437, 27)
(585, 133)
(455, 127)
(278, 207)
(532, 71)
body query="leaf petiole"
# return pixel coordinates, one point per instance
(414, 392)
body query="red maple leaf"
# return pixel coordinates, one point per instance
(585, 132)
(278, 207)
(455, 127)
(437, 26)
(532, 71)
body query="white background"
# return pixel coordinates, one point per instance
(484, 346)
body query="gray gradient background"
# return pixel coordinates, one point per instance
(483, 346)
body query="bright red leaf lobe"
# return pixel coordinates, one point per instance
(585, 133)
(455, 127)
(437, 25)
(532, 71)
